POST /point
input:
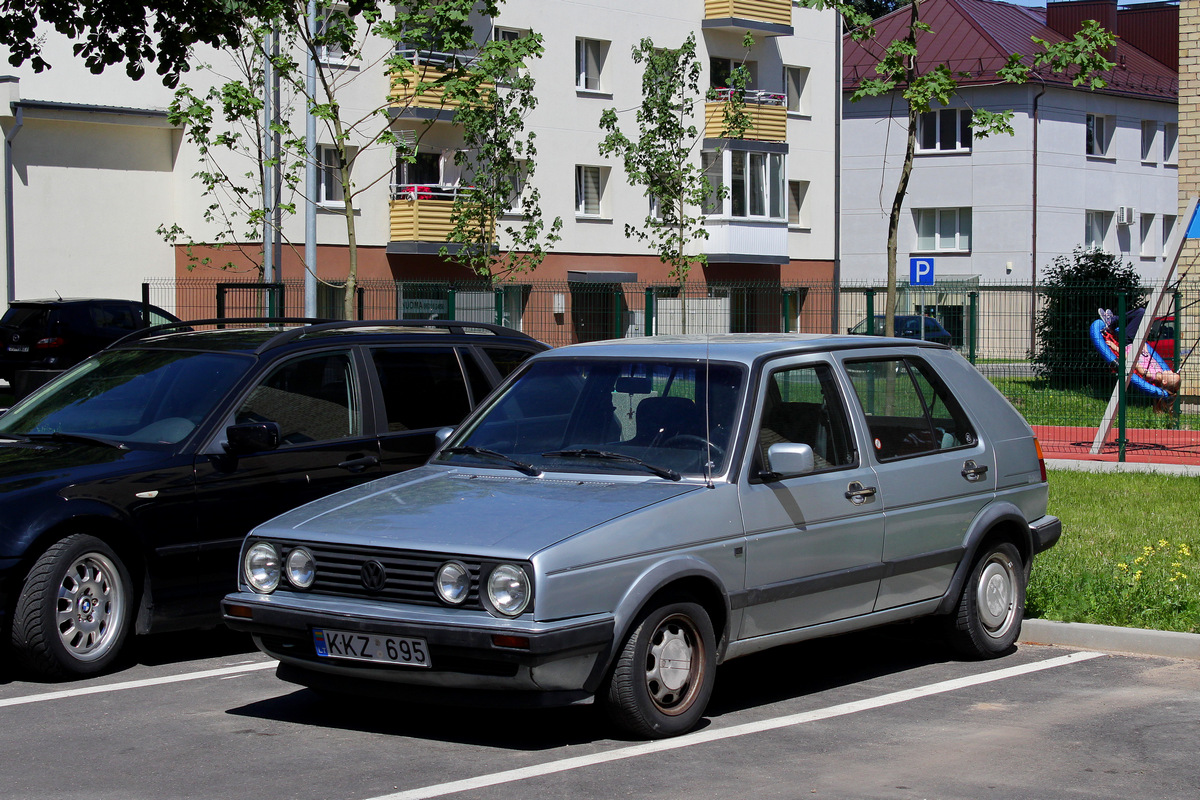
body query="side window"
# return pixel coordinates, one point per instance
(506, 359)
(312, 398)
(909, 411)
(423, 387)
(802, 405)
(115, 315)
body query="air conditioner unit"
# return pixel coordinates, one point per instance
(1126, 215)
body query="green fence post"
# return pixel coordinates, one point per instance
(618, 328)
(451, 312)
(787, 312)
(973, 321)
(361, 297)
(871, 311)
(499, 306)
(649, 312)
(1121, 380)
(1176, 306)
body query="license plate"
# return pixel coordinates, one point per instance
(18, 348)
(359, 646)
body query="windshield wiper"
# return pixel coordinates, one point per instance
(63, 436)
(587, 452)
(517, 464)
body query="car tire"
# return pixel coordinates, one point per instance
(75, 609)
(988, 620)
(664, 674)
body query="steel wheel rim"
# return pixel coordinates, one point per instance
(675, 665)
(90, 607)
(996, 596)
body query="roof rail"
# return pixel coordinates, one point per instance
(453, 326)
(154, 330)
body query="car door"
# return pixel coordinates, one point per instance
(813, 541)
(327, 443)
(934, 472)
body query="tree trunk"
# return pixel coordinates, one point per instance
(910, 147)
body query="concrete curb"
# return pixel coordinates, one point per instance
(1109, 639)
(1082, 465)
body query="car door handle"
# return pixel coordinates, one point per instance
(359, 464)
(974, 472)
(857, 493)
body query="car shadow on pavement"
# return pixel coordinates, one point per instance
(170, 648)
(801, 669)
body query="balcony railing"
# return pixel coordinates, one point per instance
(767, 112)
(766, 16)
(418, 87)
(421, 212)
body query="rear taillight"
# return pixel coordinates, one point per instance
(51, 342)
(1041, 459)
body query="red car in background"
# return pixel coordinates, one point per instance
(1162, 338)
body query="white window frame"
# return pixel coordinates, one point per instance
(1171, 143)
(332, 56)
(590, 55)
(945, 141)
(795, 85)
(1097, 133)
(500, 34)
(1096, 226)
(1145, 229)
(943, 230)
(1149, 137)
(329, 183)
(762, 179)
(520, 183)
(1169, 221)
(798, 205)
(582, 171)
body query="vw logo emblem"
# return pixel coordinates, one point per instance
(374, 576)
(16, 337)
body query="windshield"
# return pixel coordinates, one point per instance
(612, 416)
(147, 396)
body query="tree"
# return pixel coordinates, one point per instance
(662, 158)
(226, 127)
(1073, 289)
(899, 69)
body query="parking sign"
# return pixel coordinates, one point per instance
(920, 272)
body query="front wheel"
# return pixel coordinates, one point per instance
(988, 620)
(664, 675)
(74, 611)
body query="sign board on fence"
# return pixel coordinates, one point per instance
(420, 308)
(920, 272)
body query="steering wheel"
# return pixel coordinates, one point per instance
(683, 439)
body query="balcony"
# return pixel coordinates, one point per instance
(420, 218)
(766, 17)
(417, 92)
(746, 241)
(767, 110)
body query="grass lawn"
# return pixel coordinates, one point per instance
(1129, 554)
(1042, 405)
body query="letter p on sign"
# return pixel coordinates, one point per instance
(920, 272)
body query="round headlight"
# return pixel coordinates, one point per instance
(262, 567)
(453, 582)
(508, 589)
(301, 568)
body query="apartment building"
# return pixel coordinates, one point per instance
(1083, 168)
(97, 169)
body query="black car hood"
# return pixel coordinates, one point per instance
(28, 464)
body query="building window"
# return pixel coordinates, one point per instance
(721, 69)
(944, 229)
(945, 130)
(756, 185)
(1096, 229)
(329, 185)
(1168, 228)
(589, 190)
(1145, 228)
(795, 81)
(589, 64)
(1097, 135)
(714, 170)
(1149, 131)
(330, 22)
(797, 208)
(1170, 143)
(506, 34)
(424, 170)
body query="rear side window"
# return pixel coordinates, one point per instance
(422, 387)
(506, 359)
(909, 411)
(122, 316)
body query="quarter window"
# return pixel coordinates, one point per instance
(909, 411)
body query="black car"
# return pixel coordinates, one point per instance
(909, 326)
(128, 483)
(56, 334)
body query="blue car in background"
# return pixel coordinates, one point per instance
(909, 326)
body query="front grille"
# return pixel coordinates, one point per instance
(409, 574)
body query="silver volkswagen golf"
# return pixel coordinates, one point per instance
(620, 518)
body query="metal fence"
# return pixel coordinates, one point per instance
(1035, 345)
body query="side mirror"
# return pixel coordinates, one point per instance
(789, 459)
(252, 437)
(442, 434)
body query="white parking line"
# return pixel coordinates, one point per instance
(704, 737)
(118, 687)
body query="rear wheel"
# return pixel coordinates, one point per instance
(664, 675)
(74, 611)
(988, 620)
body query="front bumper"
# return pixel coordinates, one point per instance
(555, 662)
